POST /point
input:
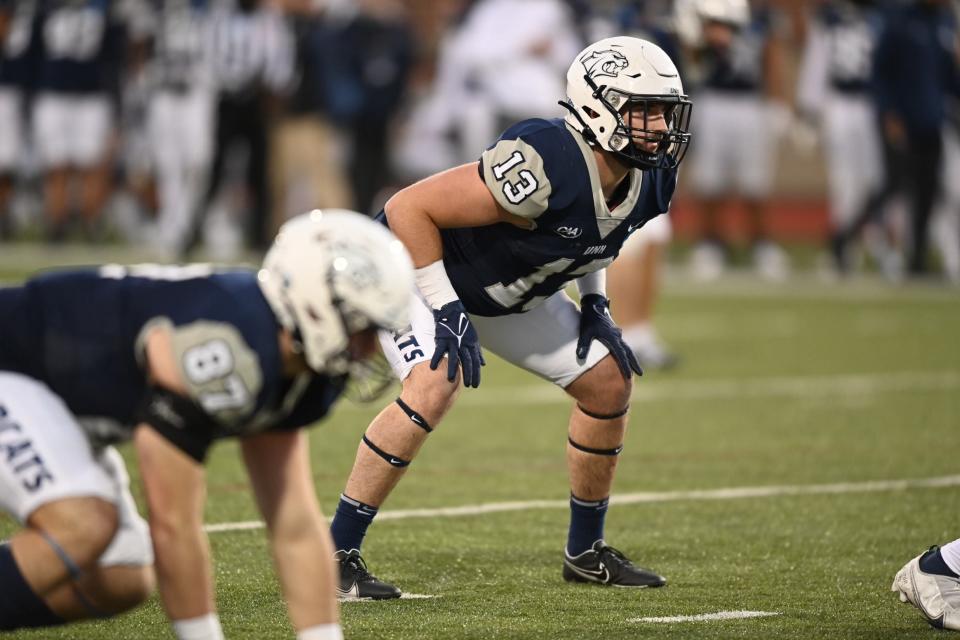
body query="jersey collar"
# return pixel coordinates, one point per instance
(607, 219)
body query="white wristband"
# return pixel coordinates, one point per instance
(434, 285)
(595, 282)
(206, 627)
(321, 632)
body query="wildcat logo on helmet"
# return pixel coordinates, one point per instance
(604, 63)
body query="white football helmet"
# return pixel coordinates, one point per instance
(617, 73)
(733, 12)
(331, 274)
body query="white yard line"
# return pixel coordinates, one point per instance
(731, 493)
(710, 617)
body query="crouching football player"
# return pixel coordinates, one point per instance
(175, 358)
(496, 243)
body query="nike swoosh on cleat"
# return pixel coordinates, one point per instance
(349, 594)
(600, 575)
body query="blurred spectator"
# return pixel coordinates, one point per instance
(741, 111)
(367, 54)
(308, 153)
(16, 22)
(252, 62)
(834, 92)
(81, 46)
(916, 68)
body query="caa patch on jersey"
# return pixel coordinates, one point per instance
(221, 371)
(513, 171)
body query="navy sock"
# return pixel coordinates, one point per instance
(932, 562)
(350, 523)
(19, 606)
(586, 523)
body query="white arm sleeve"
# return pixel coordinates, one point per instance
(434, 284)
(595, 282)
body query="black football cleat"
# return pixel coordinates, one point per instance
(602, 564)
(356, 583)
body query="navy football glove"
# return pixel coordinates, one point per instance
(596, 324)
(457, 339)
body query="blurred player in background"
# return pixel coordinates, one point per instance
(16, 23)
(175, 358)
(479, 89)
(496, 243)
(741, 112)
(931, 583)
(80, 44)
(634, 277)
(180, 119)
(834, 91)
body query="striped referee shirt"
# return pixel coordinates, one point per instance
(251, 50)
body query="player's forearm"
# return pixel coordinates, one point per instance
(594, 282)
(415, 228)
(184, 574)
(304, 561)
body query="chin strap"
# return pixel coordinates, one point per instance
(587, 132)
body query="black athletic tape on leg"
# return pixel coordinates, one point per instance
(598, 452)
(391, 460)
(415, 417)
(600, 416)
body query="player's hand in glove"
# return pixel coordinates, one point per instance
(457, 339)
(596, 324)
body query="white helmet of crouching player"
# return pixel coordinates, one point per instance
(331, 274)
(615, 75)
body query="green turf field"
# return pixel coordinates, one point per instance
(763, 475)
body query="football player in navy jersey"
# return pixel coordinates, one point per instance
(16, 23)
(495, 243)
(175, 358)
(834, 89)
(79, 47)
(742, 110)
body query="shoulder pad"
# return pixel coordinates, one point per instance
(221, 371)
(519, 169)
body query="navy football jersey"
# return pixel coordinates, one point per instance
(82, 333)
(740, 67)
(851, 34)
(81, 44)
(15, 54)
(545, 172)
